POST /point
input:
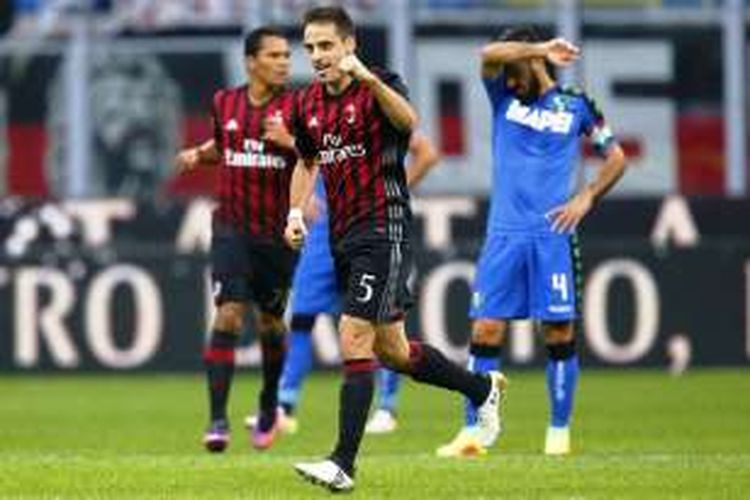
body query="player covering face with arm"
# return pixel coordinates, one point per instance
(354, 124)
(524, 66)
(529, 265)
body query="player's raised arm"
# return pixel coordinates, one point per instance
(395, 106)
(190, 158)
(424, 156)
(494, 55)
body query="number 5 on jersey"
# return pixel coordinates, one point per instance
(365, 284)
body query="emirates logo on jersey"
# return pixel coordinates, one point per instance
(254, 145)
(253, 160)
(254, 156)
(337, 151)
(332, 140)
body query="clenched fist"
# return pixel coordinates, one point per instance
(352, 65)
(295, 231)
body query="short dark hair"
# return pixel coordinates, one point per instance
(334, 15)
(254, 39)
(524, 33)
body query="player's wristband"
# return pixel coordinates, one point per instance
(295, 213)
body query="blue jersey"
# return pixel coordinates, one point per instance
(315, 288)
(535, 149)
(320, 194)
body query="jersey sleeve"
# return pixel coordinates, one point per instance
(302, 140)
(495, 87)
(216, 120)
(594, 126)
(394, 81)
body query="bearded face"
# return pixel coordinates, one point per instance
(520, 78)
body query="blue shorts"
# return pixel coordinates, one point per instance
(315, 288)
(527, 276)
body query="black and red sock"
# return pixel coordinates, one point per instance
(430, 366)
(355, 398)
(219, 361)
(273, 348)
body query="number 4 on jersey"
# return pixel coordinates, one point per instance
(560, 284)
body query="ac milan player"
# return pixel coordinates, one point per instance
(354, 125)
(315, 291)
(251, 264)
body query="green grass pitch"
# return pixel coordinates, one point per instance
(637, 434)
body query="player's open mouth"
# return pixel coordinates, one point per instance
(322, 71)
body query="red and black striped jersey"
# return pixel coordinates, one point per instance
(254, 178)
(361, 158)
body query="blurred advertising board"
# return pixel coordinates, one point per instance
(112, 284)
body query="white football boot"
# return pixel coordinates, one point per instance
(557, 441)
(489, 418)
(325, 473)
(382, 422)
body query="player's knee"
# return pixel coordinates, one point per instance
(383, 354)
(392, 356)
(558, 332)
(357, 338)
(230, 317)
(488, 332)
(561, 351)
(270, 324)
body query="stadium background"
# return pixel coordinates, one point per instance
(103, 249)
(675, 227)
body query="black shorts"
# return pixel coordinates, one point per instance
(373, 275)
(245, 269)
